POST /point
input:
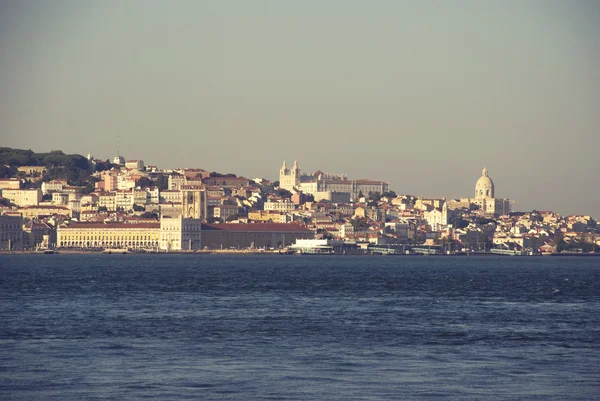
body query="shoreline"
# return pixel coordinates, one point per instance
(272, 252)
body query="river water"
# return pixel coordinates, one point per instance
(187, 327)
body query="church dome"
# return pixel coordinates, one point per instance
(484, 188)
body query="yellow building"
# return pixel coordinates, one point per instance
(108, 235)
(268, 216)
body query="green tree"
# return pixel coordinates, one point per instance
(284, 193)
(374, 196)
(145, 182)
(162, 181)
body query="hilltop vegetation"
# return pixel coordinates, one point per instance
(55, 158)
(75, 168)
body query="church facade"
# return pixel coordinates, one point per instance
(326, 186)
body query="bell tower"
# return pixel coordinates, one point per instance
(194, 202)
(289, 178)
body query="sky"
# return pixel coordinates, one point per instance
(421, 94)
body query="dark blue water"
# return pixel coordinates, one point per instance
(175, 327)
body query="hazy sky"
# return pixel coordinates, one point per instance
(422, 94)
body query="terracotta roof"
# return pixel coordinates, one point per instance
(256, 227)
(112, 225)
(45, 207)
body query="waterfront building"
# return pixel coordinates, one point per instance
(254, 235)
(108, 235)
(11, 232)
(38, 234)
(178, 233)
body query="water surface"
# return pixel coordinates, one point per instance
(182, 327)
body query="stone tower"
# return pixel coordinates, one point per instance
(194, 202)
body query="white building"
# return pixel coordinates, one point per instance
(60, 198)
(485, 198)
(399, 228)
(124, 200)
(178, 233)
(134, 164)
(107, 200)
(53, 186)
(119, 160)
(23, 197)
(319, 184)
(436, 218)
(171, 195)
(284, 205)
(223, 212)
(176, 181)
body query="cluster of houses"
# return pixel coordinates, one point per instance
(141, 207)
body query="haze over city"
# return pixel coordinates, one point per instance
(420, 94)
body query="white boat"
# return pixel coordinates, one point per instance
(115, 250)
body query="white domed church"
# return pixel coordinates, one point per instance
(485, 199)
(484, 188)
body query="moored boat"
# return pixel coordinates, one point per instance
(115, 250)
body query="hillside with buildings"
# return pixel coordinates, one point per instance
(71, 202)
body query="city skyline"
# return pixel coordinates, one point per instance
(310, 173)
(422, 96)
